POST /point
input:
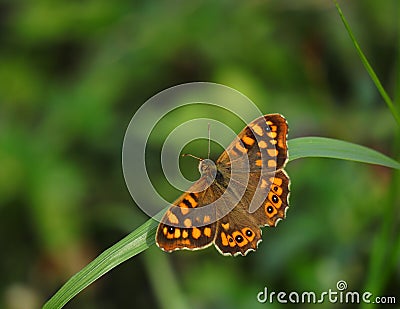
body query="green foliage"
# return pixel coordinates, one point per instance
(72, 74)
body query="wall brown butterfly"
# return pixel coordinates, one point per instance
(252, 188)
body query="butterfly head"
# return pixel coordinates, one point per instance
(207, 168)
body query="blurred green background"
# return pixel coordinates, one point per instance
(73, 73)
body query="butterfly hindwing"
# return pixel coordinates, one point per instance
(270, 198)
(237, 233)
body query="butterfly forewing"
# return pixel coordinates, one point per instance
(262, 143)
(182, 226)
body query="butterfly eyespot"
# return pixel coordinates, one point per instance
(275, 199)
(239, 238)
(275, 189)
(248, 233)
(171, 229)
(231, 239)
(270, 209)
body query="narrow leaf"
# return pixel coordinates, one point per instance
(368, 67)
(332, 148)
(136, 242)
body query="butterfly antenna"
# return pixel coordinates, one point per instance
(209, 141)
(190, 155)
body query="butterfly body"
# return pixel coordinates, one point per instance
(245, 189)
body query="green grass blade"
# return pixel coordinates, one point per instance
(331, 148)
(368, 67)
(143, 237)
(136, 242)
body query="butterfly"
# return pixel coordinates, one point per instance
(245, 189)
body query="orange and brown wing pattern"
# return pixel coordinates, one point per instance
(265, 200)
(182, 227)
(276, 202)
(263, 142)
(237, 233)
